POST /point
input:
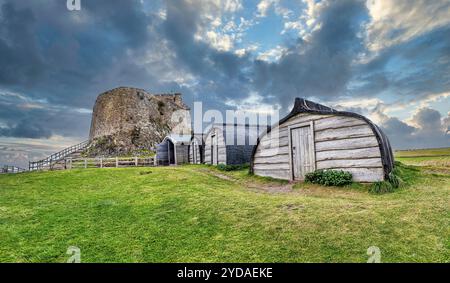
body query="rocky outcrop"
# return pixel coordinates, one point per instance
(130, 120)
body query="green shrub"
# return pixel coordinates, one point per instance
(223, 167)
(394, 180)
(381, 188)
(329, 178)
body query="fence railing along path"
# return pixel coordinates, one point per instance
(84, 163)
(11, 170)
(49, 162)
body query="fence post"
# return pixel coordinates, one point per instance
(155, 161)
(70, 163)
(136, 161)
(101, 162)
(117, 162)
(85, 163)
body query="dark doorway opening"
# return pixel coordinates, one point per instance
(171, 152)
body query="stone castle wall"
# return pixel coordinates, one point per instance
(126, 119)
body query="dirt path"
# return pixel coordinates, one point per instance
(218, 175)
(257, 187)
(271, 188)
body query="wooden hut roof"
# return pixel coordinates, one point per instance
(239, 128)
(178, 139)
(199, 138)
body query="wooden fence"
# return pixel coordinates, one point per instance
(84, 163)
(11, 170)
(47, 163)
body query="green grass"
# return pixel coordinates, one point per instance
(438, 158)
(201, 214)
(423, 152)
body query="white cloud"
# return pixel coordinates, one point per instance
(24, 102)
(264, 6)
(394, 22)
(254, 103)
(273, 54)
(292, 26)
(434, 97)
(231, 5)
(248, 49)
(308, 21)
(18, 151)
(361, 102)
(219, 26)
(162, 14)
(221, 42)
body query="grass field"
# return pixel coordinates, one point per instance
(437, 158)
(200, 214)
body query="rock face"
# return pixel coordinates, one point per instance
(130, 120)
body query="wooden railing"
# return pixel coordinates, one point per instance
(84, 163)
(47, 163)
(11, 170)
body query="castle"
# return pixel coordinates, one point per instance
(126, 120)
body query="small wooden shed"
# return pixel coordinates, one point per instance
(230, 144)
(173, 150)
(314, 137)
(196, 147)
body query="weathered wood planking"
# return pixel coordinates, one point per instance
(220, 147)
(302, 118)
(350, 163)
(279, 135)
(274, 173)
(365, 174)
(272, 166)
(341, 143)
(344, 133)
(222, 158)
(182, 154)
(347, 144)
(194, 153)
(282, 158)
(273, 143)
(335, 122)
(349, 154)
(272, 151)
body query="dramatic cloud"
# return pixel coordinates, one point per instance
(395, 22)
(386, 59)
(320, 67)
(27, 118)
(429, 129)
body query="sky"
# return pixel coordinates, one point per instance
(386, 59)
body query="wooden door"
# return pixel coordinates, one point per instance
(302, 149)
(214, 150)
(194, 151)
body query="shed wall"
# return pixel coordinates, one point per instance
(182, 154)
(179, 152)
(222, 154)
(239, 154)
(162, 153)
(197, 153)
(341, 143)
